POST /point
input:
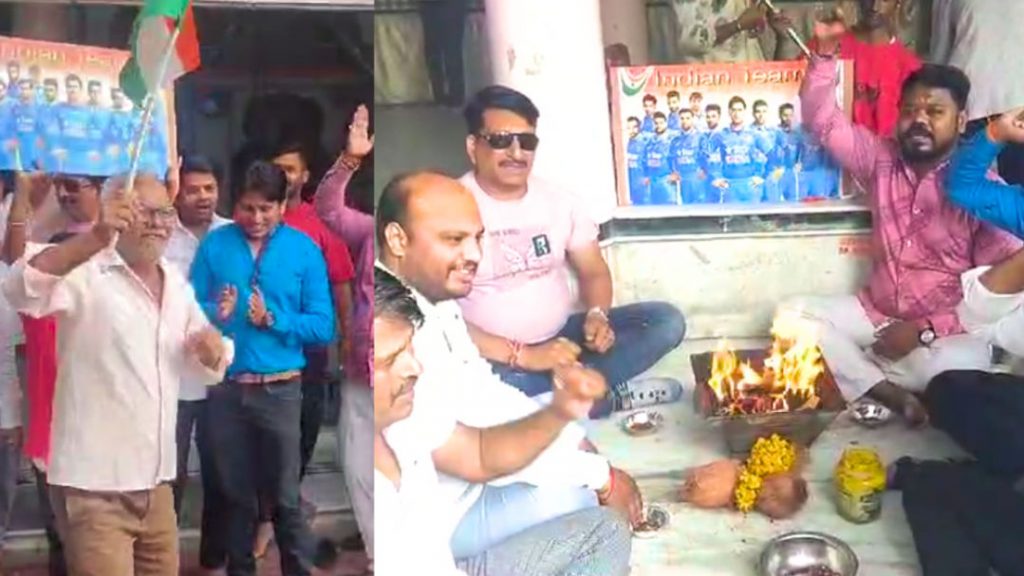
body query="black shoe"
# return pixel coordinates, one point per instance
(326, 554)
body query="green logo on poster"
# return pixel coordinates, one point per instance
(634, 82)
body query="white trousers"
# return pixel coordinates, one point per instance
(355, 452)
(845, 334)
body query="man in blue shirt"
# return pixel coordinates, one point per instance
(657, 166)
(819, 174)
(35, 73)
(264, 284)
(737, 176)
(636, 152)
(77, 153)
(761, 128)
(119, 131)
(8, 138)
(49, 122)
(673, 110)
(712, 158)
(650, 107)
(969, 184)
(98, 122)
(686, 161)
(784, 165)
(26, 127)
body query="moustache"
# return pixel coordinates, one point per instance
(918, 130)
(512, 164)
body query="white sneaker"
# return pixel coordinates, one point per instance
(641, 392)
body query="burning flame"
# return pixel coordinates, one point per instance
(789, 380)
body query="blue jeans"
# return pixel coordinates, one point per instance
(644, 333)
(503, 511)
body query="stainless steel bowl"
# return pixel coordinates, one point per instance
(798, 553)
(656, 519)
(642, 423)
(870, 414)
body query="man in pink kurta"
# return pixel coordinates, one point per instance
(902, 328)
(356, 419)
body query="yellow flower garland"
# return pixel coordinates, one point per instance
(769, 456)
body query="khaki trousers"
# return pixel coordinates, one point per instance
(117, 533)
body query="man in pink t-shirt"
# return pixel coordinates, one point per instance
(522, 311)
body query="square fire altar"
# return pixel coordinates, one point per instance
(786, 390)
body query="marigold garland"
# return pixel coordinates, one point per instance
(772, 455)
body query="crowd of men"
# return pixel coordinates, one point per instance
(686, 156)
(85, 133)
(148, 318)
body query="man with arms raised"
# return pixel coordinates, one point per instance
(429, 232)
(130, 329)
(521, 307)
(409, 451)
(903, 328)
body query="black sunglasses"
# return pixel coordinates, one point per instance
(528, 141)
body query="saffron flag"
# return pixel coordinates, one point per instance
(153, 30)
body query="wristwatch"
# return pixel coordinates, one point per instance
(927, 335)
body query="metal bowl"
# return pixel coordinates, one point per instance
(656, 519)
(800, 553)
(870, 414)
(642, 423)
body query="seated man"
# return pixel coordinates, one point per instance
(429, 232)
(409, 451)
(520, 309)
(903, 328)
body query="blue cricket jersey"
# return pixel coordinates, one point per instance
(75, 137)
(292, 276)
(635, 165)
(6, 134)
(27, 130)
(685, 153)
(658, 168)
(739, 151)
(647, 124)
(119, 133)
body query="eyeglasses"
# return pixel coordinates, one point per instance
(163, 214)
(528, 141)
(72, 184)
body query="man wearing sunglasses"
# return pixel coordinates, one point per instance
(521, 309)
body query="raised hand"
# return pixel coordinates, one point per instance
(1009, 127)
(258, 313)
(117, 214)
(360, 142)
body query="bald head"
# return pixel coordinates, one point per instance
(429, 231)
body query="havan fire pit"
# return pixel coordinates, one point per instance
(786, 390)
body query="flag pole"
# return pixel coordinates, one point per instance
(147, 110)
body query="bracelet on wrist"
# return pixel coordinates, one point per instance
(515, 351)
(350, 162)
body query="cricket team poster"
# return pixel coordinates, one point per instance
(62, 111)
(707, 134)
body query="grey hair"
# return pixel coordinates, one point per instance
(118, 181)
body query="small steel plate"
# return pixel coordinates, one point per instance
(642, 423)
(870, 414)
(656, 519)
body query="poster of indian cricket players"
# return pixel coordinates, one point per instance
(62, 111)
(707, 134)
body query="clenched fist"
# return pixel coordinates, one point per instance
(206, 346)
(576, 388)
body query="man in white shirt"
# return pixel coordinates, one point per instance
(196, 204)
(981, 410)
(429, 232)
(595, 541)
(130, 331)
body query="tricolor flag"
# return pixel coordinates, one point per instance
(154, 28)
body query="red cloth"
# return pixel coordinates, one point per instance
(878, 73)
(41, 381)
(336, 254)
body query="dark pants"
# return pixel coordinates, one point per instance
(57, 564)
(644, 333)
(314, 398)
(964, 520)
(984, 413)
(193, 415)
(256, 446)
(444, 26)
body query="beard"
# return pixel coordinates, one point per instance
(913, 152)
